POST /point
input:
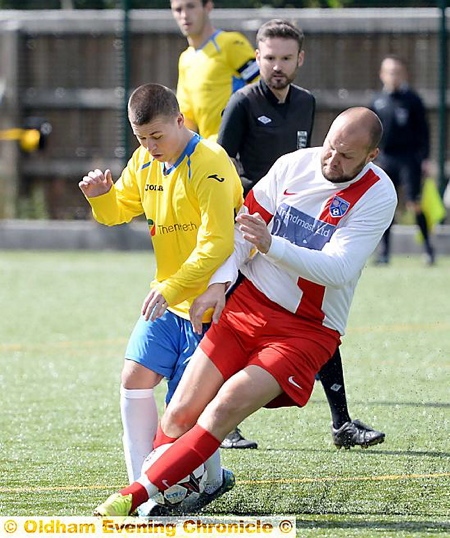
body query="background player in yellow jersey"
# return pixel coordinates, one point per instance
(189, 192)
(215, 64)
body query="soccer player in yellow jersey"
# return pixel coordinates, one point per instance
(189, 191)
(215, 64)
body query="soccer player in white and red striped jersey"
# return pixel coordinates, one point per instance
(314, 220)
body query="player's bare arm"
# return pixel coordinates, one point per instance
(96, 183)
(254, 229)
(212, 298)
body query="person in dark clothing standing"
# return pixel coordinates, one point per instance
(260, 123)
(405, 146)
(272, 117)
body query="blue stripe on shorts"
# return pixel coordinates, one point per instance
(164, 346)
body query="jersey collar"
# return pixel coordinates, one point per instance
(187, 152)
(271, 97)
(211, 38)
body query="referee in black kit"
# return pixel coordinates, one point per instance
(273, 116)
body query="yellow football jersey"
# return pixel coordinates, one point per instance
(209, 75)
(190, 210)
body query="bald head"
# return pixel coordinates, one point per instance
(350, 144)
(361, 122)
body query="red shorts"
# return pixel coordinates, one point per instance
(255, 330)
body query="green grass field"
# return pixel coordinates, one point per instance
(65, 320)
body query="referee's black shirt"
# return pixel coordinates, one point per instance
(257, 129)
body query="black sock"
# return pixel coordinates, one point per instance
(332, 378)
(421, 222)
(386, 242)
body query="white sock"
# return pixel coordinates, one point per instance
(140, 421)
(214, 472)
(151, 488)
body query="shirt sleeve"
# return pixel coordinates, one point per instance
(234, 125)
(218, 194)
(241, 57)
(123, 202)
(228, 271)
(183, 98)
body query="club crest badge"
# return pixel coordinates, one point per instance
(338, 207)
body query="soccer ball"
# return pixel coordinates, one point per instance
(190, 486)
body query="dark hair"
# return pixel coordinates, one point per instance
(152, 100)
(280, 28)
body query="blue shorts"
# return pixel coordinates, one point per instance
(164, 346)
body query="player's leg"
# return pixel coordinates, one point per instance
(190, 397)
(384, 255)
(331, 376)
(199, 384)
(422, 224)
(391, 167)
(235, 438)
(152, 353)
(344, 431)
(190, 342)
(412, 181)
(139, 415)
(241, 395)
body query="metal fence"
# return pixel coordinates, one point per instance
(75, 68)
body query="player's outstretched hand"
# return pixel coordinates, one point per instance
(96, 183)
(213, 298)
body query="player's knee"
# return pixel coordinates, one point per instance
(177, 419)
(136, 376)
(225, 407)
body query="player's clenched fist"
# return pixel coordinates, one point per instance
(254, 229)
(96, 183)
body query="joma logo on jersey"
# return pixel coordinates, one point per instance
(216, 177)
(149, 187)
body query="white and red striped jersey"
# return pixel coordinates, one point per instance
(322, 235)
